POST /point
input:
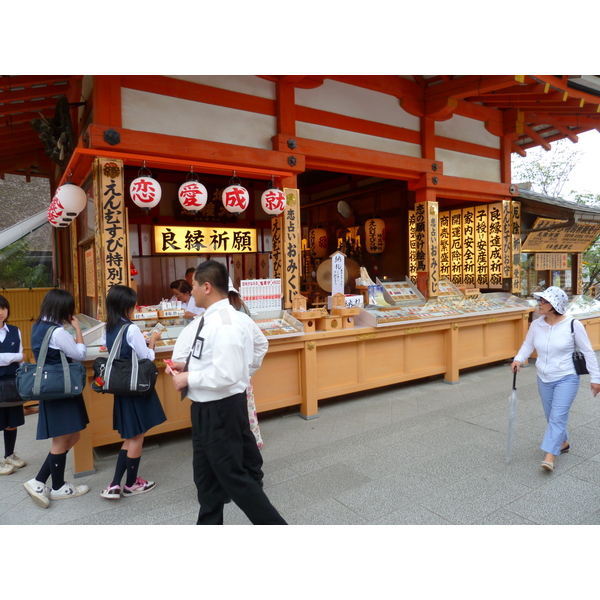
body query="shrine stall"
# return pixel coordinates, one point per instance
(370, 222)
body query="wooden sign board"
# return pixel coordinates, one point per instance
(572, 239)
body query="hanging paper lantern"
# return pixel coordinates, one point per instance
(318, 241)
(273, 201)
(192, 195)
(375, 236)
(71, 197)
(235, 198)
(145, 192)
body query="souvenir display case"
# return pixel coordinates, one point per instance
(443, 307)
(583, 307)
(91, 329)
(277, 323)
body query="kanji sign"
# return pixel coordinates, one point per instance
(199, 240)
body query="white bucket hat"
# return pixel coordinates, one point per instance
(556, 297)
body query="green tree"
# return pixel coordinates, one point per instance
(18, 269)
(548, 172)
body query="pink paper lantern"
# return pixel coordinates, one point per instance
(273, 201)
(145, 192)
(192, 196)
(235, 199)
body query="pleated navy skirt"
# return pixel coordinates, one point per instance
(11, 416)
(133, 415)
(61, 417)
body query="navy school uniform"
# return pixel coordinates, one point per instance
(63, 415)
(11, 416)
(133, 415)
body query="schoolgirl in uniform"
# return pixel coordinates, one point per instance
(61, 419)
(133, 416)
(11, 417)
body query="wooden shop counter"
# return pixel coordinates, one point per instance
(301, 370)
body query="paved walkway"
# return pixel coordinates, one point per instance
(419, 453)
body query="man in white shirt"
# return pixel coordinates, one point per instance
(214, 357)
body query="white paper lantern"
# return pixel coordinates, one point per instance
(235, 199)
(71, 197)
(193, 195)
(57, 215)
(145, 192)
(375, 235)
(273, 201)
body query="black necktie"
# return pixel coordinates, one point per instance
(184, 391)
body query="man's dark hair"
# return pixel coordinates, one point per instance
(215, 273)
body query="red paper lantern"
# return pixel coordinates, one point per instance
(192, 196)
(145, 192)
(318, 241)
(235, 199)
(273, 201)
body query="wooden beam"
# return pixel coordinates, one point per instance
(469, 85)
(350, 159)
(286, 107)
(107, 100)
(461, 188)
(27, 106)
(536, 137)
(187, 149)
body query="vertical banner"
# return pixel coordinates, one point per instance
(444, 253)
(291, 242)
(516, 246)
(412, 247)
(113, 223)
(506, 243)
(578, 287)
(277, 247)
(468, 244)
(456, 247)
(495, 245)
(426, 233)
(481, 246)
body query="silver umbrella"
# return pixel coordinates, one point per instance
(514, 399)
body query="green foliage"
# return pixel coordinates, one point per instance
(18, 269)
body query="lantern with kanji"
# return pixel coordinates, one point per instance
(273, 201)
(145, 192)
(193, 196)
(235, 198)
(318, 241)
(68, 201)
(375, 235)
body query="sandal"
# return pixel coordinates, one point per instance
(549, 466)
(565, 449)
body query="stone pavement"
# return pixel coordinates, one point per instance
(418, 453)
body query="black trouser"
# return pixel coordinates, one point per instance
(227, 462)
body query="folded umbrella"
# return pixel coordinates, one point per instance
(514, 399)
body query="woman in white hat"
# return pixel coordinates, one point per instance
(550, 336)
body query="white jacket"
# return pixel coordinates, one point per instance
(554, 347)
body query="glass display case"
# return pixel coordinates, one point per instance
(277, 323)
(440, 308)
(583, 307)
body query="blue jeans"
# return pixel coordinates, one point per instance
(557, 398)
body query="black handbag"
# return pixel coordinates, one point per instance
(578, 358)
(9, 396)
(123, 376)
(50, 382)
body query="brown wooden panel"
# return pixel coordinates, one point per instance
(279, 377)
(383, 357)
(337, 366)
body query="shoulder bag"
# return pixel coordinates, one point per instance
(123, 376)
(50, 382)
(9, 396)
(578, 357)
